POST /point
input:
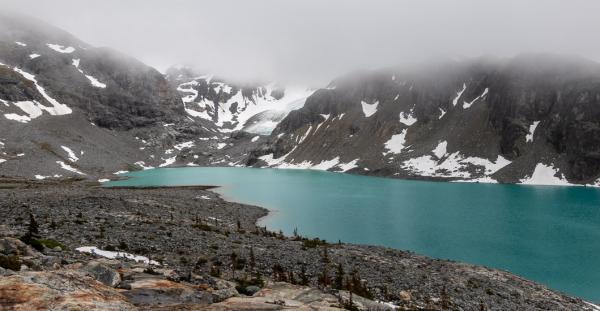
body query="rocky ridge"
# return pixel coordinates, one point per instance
(530, 119)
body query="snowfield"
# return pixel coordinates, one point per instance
(112, 255)
(545, 175)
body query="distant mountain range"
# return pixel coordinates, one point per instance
(67, 108)
(531, 119)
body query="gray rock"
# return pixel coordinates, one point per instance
(223, 294)
(12, 246)
(252, 289)
(103, 273)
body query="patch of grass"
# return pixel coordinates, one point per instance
(49, 243)
(313, 243)
(33, 242)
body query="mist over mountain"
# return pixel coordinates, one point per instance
(311, 42)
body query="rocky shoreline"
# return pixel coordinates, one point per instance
(209, 254)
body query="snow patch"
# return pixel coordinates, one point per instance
(396, 142)
(41, 177)
(407, 118)
(369, 109)
(103, 180)
(326, 165)
(185, 145)
(348, 166)
(93, 80)
(255, 138)
(442, 113)
(34, 56)
(168, 161)
(545, 175)
(72, 156)
(454, 165)
(440, 150)
(61, 49)
(20, 43)
(57, 108)
(459, 94)
(69, 168)
(114, 255)
(468, 105)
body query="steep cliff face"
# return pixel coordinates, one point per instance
(531, 119)
(113, 90)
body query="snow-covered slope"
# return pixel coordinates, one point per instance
(532, 119)
(251, 107)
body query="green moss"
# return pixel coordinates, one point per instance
(313, 243)
(49, 243)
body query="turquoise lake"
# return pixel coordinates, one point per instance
(547, 234)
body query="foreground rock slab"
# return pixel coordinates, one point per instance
(58, 290)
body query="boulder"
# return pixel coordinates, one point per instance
(12, 246)
(58, 290)
(103, 273)
(157, 291)
(251, 290)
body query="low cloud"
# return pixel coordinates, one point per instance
(313, 41)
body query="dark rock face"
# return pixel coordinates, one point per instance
(134, 94)
(495, 119)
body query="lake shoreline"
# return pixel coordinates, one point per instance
(166, 228)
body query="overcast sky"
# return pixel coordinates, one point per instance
(314, 41)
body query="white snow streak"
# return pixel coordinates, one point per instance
(72, 156)
(532, 127)
(69, 168)
(468, 105)
(93, 80)
(57, 108)
(442, 113)
(459, 94)
(61, 49)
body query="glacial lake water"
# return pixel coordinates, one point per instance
(543, 233)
